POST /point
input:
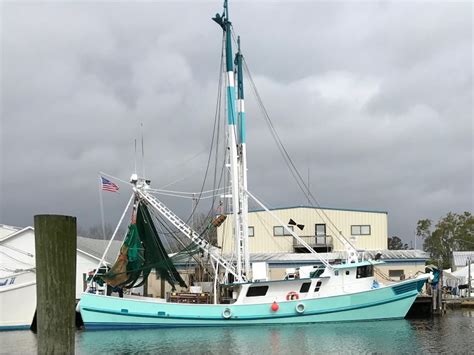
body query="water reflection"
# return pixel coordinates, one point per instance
(310, 338)
(453, 333)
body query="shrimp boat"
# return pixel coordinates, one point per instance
(345, 292)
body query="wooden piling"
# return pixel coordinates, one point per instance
(55, 243)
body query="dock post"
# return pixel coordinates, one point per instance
(55, 243)
(440, 293)
(469, 279)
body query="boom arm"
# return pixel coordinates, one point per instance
(187, 231)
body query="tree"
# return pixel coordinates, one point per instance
(452, 232)
(395, 243)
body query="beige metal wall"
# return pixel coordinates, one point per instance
(410, 269)
(265, 242)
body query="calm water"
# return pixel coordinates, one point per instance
(453, 333)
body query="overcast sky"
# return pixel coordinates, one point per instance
(374, 98)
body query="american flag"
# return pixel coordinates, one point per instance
(108, 185)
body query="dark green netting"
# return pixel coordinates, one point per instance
(143, 251)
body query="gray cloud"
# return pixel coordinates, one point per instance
(374, 98)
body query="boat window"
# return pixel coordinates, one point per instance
(305, 287)
(255, 291)
(279, 231)
(336, 273)
(318, 286)
(348, 272)
(365, 271)
(316, 273)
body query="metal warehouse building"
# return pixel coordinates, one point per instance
(367, 230)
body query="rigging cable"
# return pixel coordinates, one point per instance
(286, 157)
(210, 149)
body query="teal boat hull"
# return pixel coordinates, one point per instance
(390, 302)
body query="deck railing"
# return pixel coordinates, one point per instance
(314, 241)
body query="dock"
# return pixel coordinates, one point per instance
(423, 306)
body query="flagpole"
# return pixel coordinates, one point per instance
(102, 207)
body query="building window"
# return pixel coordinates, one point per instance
(320, 229)
(251, 231)
(395, 274)
(279, 231)
(257, 291)
(360, 230)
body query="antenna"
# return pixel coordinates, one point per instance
(135, 171)
(309, 190)
(143, 151)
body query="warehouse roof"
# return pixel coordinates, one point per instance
(320, 208)
(388, 255)
(460, 257)
(96, 248)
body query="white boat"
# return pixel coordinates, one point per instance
(17, 287)
(18, 300)
(344, 292)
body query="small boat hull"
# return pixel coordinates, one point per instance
(389, 302)
(17, 300)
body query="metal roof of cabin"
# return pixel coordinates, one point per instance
(460, 257)
(319, 208)
(6, 230)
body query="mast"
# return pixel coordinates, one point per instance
(243, 158)
(223, 21)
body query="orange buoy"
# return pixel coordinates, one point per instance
(275, 306)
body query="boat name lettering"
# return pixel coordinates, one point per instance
(8, 281)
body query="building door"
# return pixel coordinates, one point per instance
(320, 233)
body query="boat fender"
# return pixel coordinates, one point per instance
(275, 306)
(227, 313)
(291, 296)
(300, 308)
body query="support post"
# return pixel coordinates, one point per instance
(162, 288)
(440, 292)
(55, 243)
(469, 279)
